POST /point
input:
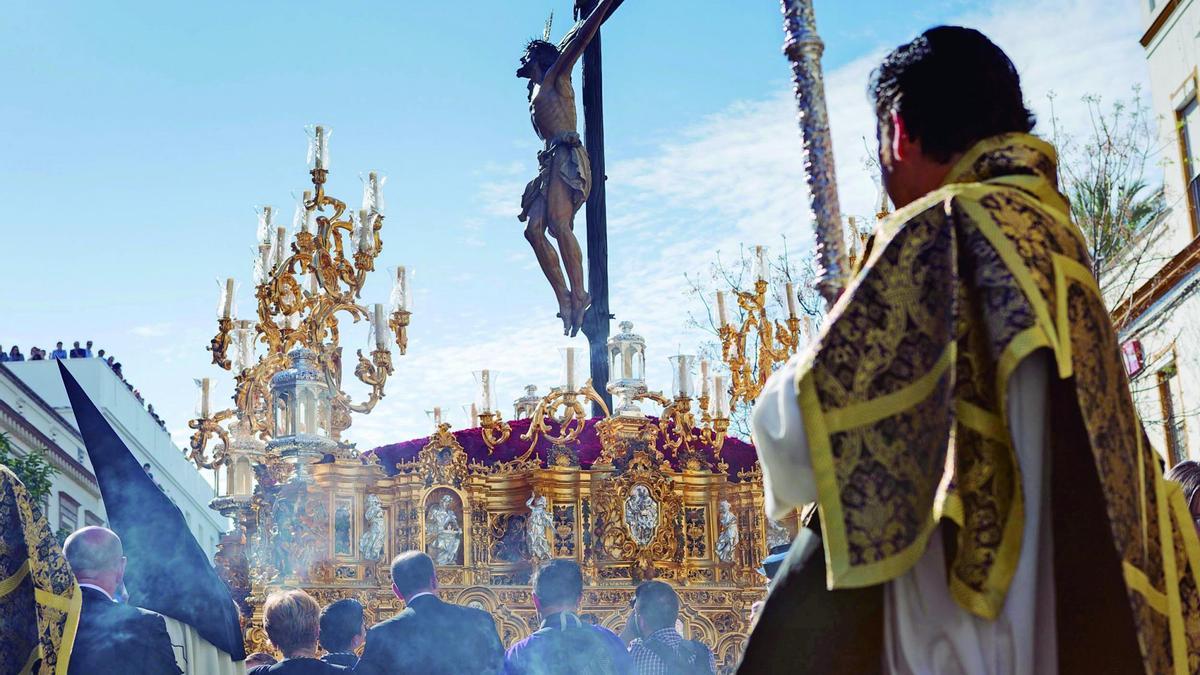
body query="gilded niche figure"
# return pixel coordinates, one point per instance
(728, 539)
(641, 514)
(370, 545)
(564, 177)
(443, 534)
(539, 521)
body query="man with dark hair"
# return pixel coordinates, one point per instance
(970, 359)
(76, 351)
(661, 650)
(342, 631)
(429, 636)
(59, 352)
(112, 637)
(564, 643)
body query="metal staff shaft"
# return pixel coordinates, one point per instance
(803, 48)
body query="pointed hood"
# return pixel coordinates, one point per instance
(167, 571)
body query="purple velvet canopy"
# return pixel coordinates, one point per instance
(738, 454)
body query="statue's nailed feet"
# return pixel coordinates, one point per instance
(572, 310)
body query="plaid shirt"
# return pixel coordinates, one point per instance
(647, 662)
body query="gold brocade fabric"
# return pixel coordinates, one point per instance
(39, 599)
(903, 398)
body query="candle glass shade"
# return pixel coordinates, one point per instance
(243, 341)
(203, 394)
(486, 379)
(720, 398)
(571, 373)
(318, 146)
(682, 379)
(401, 298)
(304, 220)
(226, 309)
(373, 192)
(266, 225)
(435, 415)
(762, 270)
(380, 328)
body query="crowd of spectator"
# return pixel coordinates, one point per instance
(78, 352)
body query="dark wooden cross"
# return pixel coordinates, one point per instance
(596, 321)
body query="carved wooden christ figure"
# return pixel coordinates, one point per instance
(564, 177)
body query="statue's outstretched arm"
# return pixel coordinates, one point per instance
(578, 42)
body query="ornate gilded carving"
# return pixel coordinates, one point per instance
(637, 509)
(441, 462)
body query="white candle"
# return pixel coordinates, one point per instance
(280, 244)
(760, 267)
(381, 328)
(366, 233)
(265, 225)
(485, 384)
(320, 149)
(570, 369)
(626, 362)
(724, 318)
(264, 261)
(437, 415)
(375, 188)
(204, 387)
(400, 289)
(808, 329)
(791, 300)
(474, 416)
(704, 390)
(683, 388)
(722, 403)
(227, 299)
(303, 220)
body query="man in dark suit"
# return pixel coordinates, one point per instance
(430, 636)
(112, 637)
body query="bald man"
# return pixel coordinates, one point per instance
(112, 637)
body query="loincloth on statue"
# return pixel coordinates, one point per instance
(566, 158)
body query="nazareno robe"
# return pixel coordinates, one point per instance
(967, 431)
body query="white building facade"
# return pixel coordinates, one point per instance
(32, 397)
(1159, 321)
(32, 425)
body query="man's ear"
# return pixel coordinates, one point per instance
(396, 590)
(433, 582)
(900, 140)
(537, 603)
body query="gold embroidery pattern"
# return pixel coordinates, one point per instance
(987, 271)
(39, 600)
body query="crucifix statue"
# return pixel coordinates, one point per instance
(564, 178)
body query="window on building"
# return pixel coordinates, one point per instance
(68, 513)
(92, 520)
(1188, 123)
(79, 455)
(1171, 399)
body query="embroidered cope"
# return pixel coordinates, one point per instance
(904, 402)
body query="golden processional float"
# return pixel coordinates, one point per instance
(630, 496)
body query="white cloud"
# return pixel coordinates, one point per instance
(151, 330)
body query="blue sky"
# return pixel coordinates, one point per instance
(138, 137)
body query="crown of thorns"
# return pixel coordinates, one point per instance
(538, 42)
